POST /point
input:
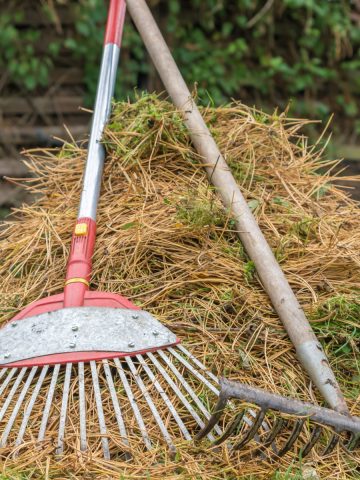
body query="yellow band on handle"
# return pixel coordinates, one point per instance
(77, 280)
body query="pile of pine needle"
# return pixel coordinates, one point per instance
(166, 242)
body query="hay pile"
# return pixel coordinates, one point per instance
(166, 242)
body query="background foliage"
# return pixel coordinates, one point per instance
(263, 52)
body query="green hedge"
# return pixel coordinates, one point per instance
(263, 52)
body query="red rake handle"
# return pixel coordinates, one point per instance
(83, 240)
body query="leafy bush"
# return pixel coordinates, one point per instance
(261, 52)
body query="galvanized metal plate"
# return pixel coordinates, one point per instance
(82, 329)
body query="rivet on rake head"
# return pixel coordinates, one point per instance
(74, 328)
(14, 324)
(155, 333)
(135, 316)
(72, 345)
(7, 355)
(131, 344)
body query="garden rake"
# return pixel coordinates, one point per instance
(81, 333)
(84, 345)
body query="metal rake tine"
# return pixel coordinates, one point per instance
(63, 412)
(198, 363)
(7, 379)
(164, 396)
(293, 437)
(133, 404)
(115, 401)
(270, 437)
(2, 371)
(315, 435)
(250, 434)
(17, 407)
(334, 440)
(12, 392)
(354, 442)
(151, 404)
(178, 392)
(30, 405)
(230, 429)
(189, 390)
(48, 403)
(197, 374)
(218, 411)
(82, 408)
(100, 411)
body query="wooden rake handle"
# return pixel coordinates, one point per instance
(308, 348)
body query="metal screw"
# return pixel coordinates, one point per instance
(72, 345)
(14, 324)
(7, 355)
(131, 344)
(155, 333)
(75, 328)
(135, 316)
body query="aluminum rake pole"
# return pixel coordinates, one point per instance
(308, 348)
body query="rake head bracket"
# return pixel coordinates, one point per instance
(87, 330)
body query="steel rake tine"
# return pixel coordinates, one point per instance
(82, 408)
(48, 403)
(251, 432)
(189, 390)
(30, 406)
(12, 392)
(100, 411)
(315, 435)
(230, 429)
(269, 439)
(178, 392)
(164, 396)
(198, 363)
(63, 412)
(198, 375)
(115, 401)
(133, 404)
(151, 404)
(293, 437)
(8, 379)
(334, 440)
(2, 372)
(15, 412)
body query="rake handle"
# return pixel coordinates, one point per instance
(83, 239)
(308, 348)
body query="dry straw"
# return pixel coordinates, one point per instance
(166, 242)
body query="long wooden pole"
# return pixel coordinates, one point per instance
(308, 348)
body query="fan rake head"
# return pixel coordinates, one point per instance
(329, 427)
(64, 387)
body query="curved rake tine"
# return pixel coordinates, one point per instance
(234, 425)
(250, 434)
(17, 407)
(30, 406)
(164, 396)
(116, 405)
(48, 403)
(334, 440)
(100, 411)
(151, 404)
(60, 441)
(133, 403)
(178, 392)
(293, 437)
(12, 391)
(269, 439)
(353, 442)
(315, 435)
(194, 371)
(82, 408)
(215, 417)
(198, 363)
(189, 390)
